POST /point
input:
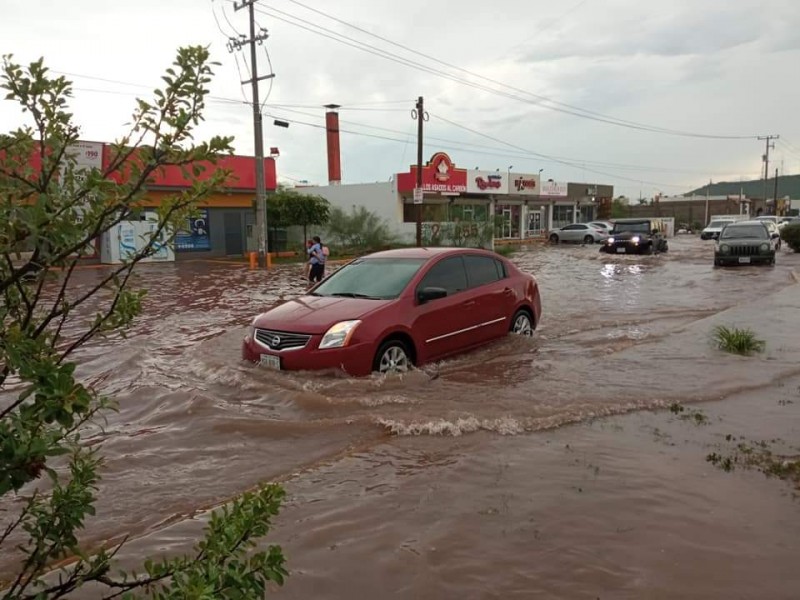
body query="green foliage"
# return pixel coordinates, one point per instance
(359, 231)
(50, 211)
(618, 209)
(302, 209)
(505, 250)
(791, 235)
(737, 341)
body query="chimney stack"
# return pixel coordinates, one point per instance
(334, 152)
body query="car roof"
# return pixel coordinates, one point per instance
(427, 253)
(743, 223)
(640, 220)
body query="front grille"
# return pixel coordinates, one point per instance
(282, 340)
(744, 250)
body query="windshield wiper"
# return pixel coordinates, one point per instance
(355, 295)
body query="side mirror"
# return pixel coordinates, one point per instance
(430, 293)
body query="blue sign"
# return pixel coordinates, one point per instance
(196, 235)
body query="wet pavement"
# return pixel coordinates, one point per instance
(463, 479)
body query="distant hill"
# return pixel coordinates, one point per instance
(788, 185)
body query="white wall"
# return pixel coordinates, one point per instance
(379, 198)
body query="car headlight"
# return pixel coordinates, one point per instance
(339, 335)
(765, 247)
(724, 248)
(635, 239)
(610, 240)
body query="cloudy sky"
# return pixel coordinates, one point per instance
(525, 84)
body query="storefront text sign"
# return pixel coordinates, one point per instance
(554, 189)
(439, 175)
(487, 182)
(524, 185)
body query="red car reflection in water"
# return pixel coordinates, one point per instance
(390, 310)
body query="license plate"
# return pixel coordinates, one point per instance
(621, 250)
(744, 260)
(270, 361)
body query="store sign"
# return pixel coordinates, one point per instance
(525, 185)
(439, 175)
(195, 236)
(487, 182)
(553, 189)
(87, 155)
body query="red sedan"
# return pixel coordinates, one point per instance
(390, 310)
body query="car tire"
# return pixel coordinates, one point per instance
(553, 238)
(522, 324)
(393, 356)
(717, 262)
(588, 240)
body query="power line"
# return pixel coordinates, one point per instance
(568, 109)
(460, 145)
(467, 145)
(360, 106)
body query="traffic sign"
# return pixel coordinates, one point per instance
(418, 195)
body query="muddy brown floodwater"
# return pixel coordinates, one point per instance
(543, 468)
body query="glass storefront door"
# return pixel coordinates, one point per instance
(509, 217)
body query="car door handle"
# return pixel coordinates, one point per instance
(508, 291)
(468, 303)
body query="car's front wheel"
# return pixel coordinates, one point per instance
(522, 324)
(392, 357)
(553, 238)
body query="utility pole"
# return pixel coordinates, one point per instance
(776, 192)
(420, 115)
(261, 192)
(766, 160)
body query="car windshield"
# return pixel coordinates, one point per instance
(744, 232)
(373, 278)
(637, 227)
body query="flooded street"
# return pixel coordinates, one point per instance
(486, 476)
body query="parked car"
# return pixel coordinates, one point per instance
(774, 234)
(789, 221)
(604, 226)
(714, 229)
(636, 236)
(744, 243)
(390, 310)
(578, 232)
(777, 221)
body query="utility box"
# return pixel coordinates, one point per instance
(127, 238)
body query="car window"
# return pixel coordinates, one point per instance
(640, 227)
(501, 269)
(755, 232)
(572, 227)
(448, 274)
(480, 270)
(382, 278)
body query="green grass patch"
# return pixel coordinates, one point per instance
(737, 340)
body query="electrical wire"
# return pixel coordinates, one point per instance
(540, 100)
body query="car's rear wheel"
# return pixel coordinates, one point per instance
(522, 324)
(553, 238)
(588, 240)
(392, 357)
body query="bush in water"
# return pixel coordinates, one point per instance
(54, 210)
(791, 235)
(737, 341)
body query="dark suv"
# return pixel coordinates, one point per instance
(635, 236)
(745, 243)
